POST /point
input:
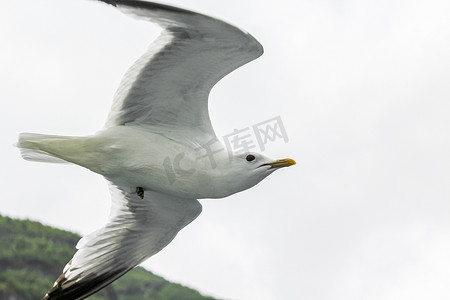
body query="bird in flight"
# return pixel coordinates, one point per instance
(159, 116)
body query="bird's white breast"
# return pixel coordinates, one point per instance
(132, 156)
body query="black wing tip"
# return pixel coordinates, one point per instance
(147, 5)
(107, 2)
(65, 289)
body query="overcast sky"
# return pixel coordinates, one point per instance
(363, 90)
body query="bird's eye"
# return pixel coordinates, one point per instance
(250, 157)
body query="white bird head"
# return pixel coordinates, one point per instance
(246, 170)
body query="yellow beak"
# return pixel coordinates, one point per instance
(281, 163)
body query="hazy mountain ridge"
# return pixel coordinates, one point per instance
(32, 256)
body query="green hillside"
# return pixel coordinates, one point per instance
(32, 257)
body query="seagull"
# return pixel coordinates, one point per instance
(158, 150)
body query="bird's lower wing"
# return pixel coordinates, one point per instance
(137, 229)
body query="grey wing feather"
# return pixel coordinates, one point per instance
(137, 229)
(169, 85)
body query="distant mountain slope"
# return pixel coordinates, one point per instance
(32, 257)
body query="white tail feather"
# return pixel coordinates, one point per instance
(30, 147)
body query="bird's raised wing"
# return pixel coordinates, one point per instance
(137, 229)
(169, 85)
